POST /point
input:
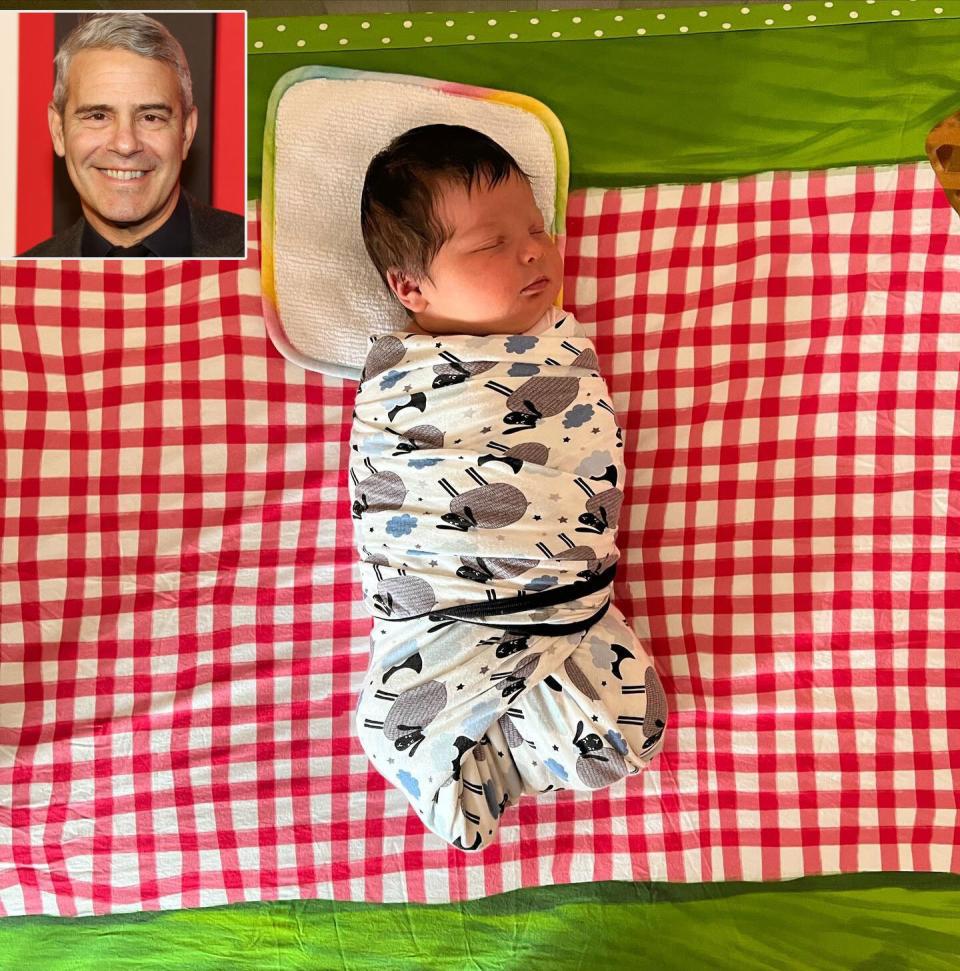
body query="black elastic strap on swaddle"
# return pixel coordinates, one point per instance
(480, 612)
(552, 630)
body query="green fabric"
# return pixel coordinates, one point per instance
(271, 33)
(876, 921)
(697, 107)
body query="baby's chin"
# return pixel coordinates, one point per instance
(485, 328)
(481, 328)
(513, 326)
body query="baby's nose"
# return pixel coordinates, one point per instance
(533, 250)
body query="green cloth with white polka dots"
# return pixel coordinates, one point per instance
(729, 96)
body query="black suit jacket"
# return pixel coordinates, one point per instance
(214, 233)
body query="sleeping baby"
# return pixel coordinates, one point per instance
(486, 485)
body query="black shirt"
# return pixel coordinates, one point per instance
(172, 239)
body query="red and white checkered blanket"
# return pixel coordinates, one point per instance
(181, 636)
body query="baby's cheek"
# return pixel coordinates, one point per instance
(557, 261)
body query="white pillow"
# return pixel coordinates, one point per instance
(322, 295)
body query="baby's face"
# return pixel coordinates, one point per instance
(499, 271)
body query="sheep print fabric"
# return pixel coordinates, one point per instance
(486, 488)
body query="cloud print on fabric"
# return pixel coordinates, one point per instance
(542, 583)
(518, 343)
(555, 767)
(409, 783)
(523, 370)
(578, 415)
(401, 525)
(595, 463)
(389, 380)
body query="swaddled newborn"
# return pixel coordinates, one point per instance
(486, 484)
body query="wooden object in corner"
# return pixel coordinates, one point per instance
(943, 150)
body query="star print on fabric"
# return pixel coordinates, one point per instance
(483, 431)
(596, 431)
(457, 442)
(567, 439)
(408, 388)
(438, 344)
(603, 684)
(459, 687)
(417, 546)
(563, 519)
(538, 518)
(484, 669)
(390, 761)
(500, 754)
(555, 496)
(556, 748)
(595, 718)
(433, 563)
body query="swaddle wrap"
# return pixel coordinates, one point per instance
(486, 471)
(485, 484)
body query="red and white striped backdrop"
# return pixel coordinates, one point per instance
(181, 633)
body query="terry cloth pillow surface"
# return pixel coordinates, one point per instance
(323, 299)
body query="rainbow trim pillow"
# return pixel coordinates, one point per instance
(322, 296)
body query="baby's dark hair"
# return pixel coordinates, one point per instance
(401, 229)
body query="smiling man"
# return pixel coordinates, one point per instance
(123, 119)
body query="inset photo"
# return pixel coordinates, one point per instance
(129, 134)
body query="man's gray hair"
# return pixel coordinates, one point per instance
(134, 32)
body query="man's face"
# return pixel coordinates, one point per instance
(124, 139)
(499, 271)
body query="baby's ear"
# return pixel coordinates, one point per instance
(407, 290)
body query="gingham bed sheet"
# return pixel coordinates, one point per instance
(182, 639)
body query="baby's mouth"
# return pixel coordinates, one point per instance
(537, 285)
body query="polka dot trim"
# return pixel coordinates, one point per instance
(268, 35)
